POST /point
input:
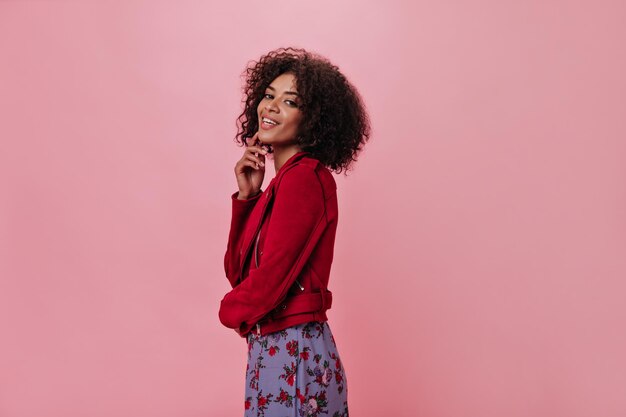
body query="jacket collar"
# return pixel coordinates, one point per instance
(292, 160)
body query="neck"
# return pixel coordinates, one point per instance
(281, 155)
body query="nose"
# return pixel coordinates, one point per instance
(271, 105)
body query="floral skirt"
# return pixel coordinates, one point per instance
(295, 372)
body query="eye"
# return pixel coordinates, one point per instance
(292, 103)
(266, 95)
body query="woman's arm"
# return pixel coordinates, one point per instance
(249, 171)
(297, 222)
(240, 211)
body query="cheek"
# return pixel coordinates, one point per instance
(295, 121)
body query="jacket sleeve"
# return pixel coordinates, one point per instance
(298, 211)
(240, 211)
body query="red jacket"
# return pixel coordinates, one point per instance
(297, 217)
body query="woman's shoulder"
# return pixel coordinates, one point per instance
(308, 171)
(321, 172)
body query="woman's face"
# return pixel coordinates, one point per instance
(280, 104)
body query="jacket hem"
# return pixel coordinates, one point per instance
(267, 327)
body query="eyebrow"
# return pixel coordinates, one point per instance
(286, 92)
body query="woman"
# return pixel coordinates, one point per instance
(304, 113)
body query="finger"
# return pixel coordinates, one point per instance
(255, 159)
(252, 141)
(255, 145)
(256, 150)
(251, 164)
(241, 166)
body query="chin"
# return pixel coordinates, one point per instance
(267, 140)
(264, 143)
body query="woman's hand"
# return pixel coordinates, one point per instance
(250, 169)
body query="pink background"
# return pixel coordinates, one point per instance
(480, 257)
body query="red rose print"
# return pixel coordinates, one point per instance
(337, 361)
(292, 347)
(301, 369)
(299, 395)
(338, 377)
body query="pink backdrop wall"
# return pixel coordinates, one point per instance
(480, 255)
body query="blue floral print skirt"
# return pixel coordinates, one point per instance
(295, 372)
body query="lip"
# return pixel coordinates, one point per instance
(267, 117)
(267, 126)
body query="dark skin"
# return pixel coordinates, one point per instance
(250, 169)
(334, 124)
(280, 103)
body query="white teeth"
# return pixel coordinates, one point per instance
(269, 121)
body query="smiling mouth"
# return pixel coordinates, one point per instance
(267, 120)
(267, 124)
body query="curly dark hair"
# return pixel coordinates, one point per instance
(334, 125)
